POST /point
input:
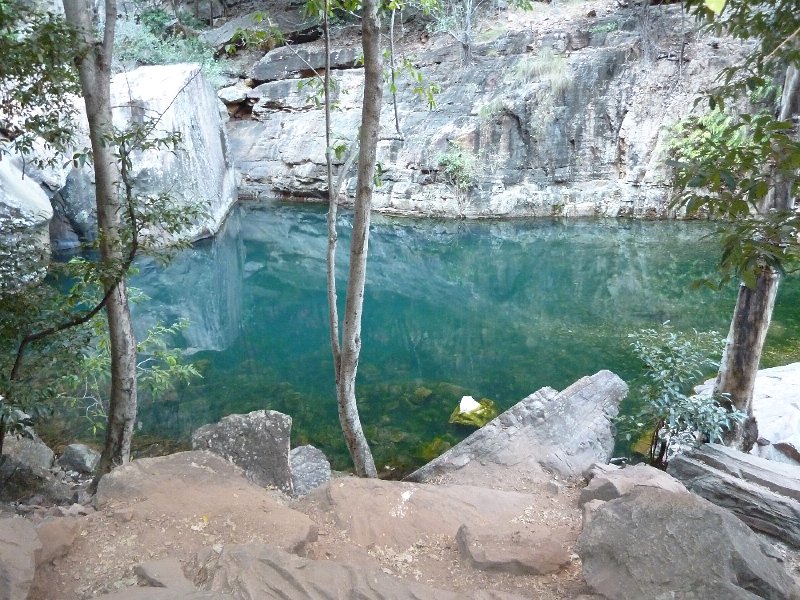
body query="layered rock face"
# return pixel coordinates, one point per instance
(200, 171)
(567, 116)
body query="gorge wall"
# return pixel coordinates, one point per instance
(565, 111)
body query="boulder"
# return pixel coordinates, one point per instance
(26, 471)
(56, 534)
(563, 433)
(519, 551)
(609, 483)
(293, 29)
(258, 571)
(164, 573)
(289, 62)
(80, 458)
(258, 442)
(167, 486)
(18, 547)
(399, 514)
(200, 170)
(310, 469)
(764, 494)
(654, 543)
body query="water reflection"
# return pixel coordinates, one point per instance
(491, 309)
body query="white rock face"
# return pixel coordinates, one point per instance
(468, 405)
(202, 168)
(25, 213)
(199, 171)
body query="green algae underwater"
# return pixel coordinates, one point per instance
(490, 309)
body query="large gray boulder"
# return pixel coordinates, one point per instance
(608, 482)
(80, 458)
(26, 471)
(310, 469)
(18, 547)
(257, 442)
(289, 62)
(259, 571)
(564, 433)
(654, 543)
(199, 172)
(765, 494)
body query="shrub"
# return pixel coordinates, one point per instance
(546, 66)
(669, 416)
(459, 166)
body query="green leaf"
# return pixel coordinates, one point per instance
(716, 6)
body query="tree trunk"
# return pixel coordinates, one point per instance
(753, 312)
(742, 353)
(94, 68)
(351, 330)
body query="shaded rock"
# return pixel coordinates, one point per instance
(25, 472)
(289, 62)
(80, 458)
(233, 94)
(310, 469)
(18, 547)
(293, 28)
(764, 494)
(258, 442)
(149, 593)
(589, 508)
(564, 433)
(392, 513)
(654, 543)
(56, 536)
(258, 571)
(167, 485)
(519, 551)
(164, 573)
(607, 484)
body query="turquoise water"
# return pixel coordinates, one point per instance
(489, 309)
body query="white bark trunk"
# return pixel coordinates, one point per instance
(359, 245)
(95, 75)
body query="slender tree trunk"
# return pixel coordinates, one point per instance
(392, 70)
(753, 312)
(739, 365)
(351, 330)
(94, 68)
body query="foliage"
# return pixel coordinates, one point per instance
(548, 67)
(459, 166)
(159, 369)
(263, 36)
(606, 27)
(138, 43)
(674, 362)
(728, 162)
(420, 87)
(36, 78)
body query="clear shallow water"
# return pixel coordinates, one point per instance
(490, 309)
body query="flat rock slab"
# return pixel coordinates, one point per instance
(398, 514)
(765, 494)
(258, 442)
(564, 433)
(653, 543)
(609, 482)
(164, 573)
(258, 571)
(199, 487)
(18, 547)
(56, 534)
(519, 551)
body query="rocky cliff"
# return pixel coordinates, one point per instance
(566, 110)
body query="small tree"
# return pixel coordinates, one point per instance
(749, 179)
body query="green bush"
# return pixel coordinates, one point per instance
(137, 42)
(459, 166)
(669, 415)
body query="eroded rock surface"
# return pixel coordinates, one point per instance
(653, 543)
(608, 481)
(564, 433)
(18, 547)
(310, 469)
